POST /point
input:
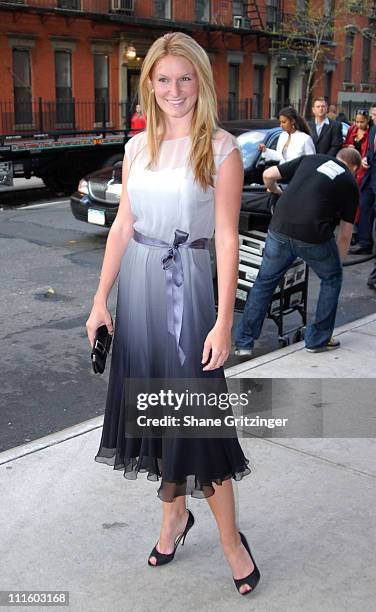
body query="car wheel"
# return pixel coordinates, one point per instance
(51, 184)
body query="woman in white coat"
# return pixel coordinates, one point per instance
(294, 141)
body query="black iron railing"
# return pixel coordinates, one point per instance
(32, 115)
(28, 116)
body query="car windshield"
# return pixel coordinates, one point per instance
(248, 143)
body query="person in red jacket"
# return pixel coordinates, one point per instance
(138, 121)
(357, 137)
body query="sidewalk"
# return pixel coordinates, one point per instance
(307, 509)
(355, 359)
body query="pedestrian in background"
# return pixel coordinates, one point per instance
(367, 195)
(321, 189)
(342, 117)
(357, 137)
(326, 133)
(332, 113)
(294, 141)
(138, 121)
(368, 186)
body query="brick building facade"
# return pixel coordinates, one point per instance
(76, 62)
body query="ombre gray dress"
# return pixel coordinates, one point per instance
(149, 341)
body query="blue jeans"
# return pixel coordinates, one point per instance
(366, 217)
(280, 252)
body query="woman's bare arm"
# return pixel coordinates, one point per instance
(119, 235)
(228, 193)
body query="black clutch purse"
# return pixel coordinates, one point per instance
(101, 348)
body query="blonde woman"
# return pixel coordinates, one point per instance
(182, 178)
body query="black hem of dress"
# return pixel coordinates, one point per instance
(192, 485)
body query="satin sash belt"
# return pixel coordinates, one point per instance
(172, 264)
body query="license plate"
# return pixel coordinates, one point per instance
(96, 216)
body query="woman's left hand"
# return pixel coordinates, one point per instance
(218, 341)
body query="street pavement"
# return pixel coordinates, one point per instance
(49, 271)
(307, 510)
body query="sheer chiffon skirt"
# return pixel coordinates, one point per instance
(143, 348)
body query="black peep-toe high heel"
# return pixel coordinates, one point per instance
(253, 578)
(161, 558)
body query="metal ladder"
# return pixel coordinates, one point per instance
(253, 12)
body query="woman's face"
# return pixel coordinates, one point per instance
(361, 122)
(175, 85)
(285, 123)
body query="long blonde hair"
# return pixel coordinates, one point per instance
(205, 114)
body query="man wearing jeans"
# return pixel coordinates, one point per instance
(322, 190)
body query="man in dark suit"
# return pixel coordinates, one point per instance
(326, 133)
(367, 202)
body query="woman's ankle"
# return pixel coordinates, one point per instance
(230, 541)
(175, 515)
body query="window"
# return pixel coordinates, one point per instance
(202, 10)
(163, 9)
(274, 142)
(101, 88)
(258, 91)
(366, 59)
(329, 18)
(272, 13)
(63, 75)
(63, 88)
(302, 5)
(233, 90)
(328, 7)
(349, 46)
(239, 8)
(73, 5)
(22, 87)
(328, 80)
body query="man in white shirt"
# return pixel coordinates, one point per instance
(319, 125)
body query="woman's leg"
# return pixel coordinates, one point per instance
(222, 504)
(174, 520)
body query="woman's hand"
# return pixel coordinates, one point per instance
(99, 315)
(218, 341)
(261, 147)
(276, 190)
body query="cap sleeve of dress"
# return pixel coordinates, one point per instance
(223, 144)
(132, 146)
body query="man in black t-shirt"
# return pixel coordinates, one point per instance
(321, 192)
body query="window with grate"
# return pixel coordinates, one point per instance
(366, 59)
(349, 48)
(101, 87)
(22, 86)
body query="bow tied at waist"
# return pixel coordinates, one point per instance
(172, 265)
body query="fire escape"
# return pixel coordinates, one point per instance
(246, 14)
(254, 15)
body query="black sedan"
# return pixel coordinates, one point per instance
(97, 198)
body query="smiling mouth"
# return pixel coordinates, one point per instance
(176, 102)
